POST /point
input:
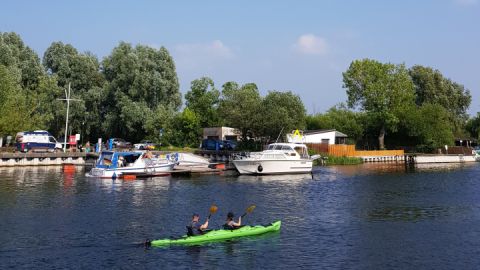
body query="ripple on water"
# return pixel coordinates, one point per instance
(344, 217)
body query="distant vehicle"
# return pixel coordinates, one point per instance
(230, 145)
(38, 140)
(213, 144)
(121, 143)
(144, 145)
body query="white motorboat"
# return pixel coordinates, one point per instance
(278, 158)
(114, 164)
(192, 160)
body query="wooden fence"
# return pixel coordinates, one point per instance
(348, 150)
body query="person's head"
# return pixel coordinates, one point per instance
(121, 157)
(230, 215)
(195, 217)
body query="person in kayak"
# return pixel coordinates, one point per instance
(195, 227)
(231, 224)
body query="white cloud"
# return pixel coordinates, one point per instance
(311, 44)
(215, 49)
(466, 2)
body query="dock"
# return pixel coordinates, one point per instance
(440, 158)
(42, 159)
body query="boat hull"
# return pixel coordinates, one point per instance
(218, 235)
(262, 167)
(117, 172)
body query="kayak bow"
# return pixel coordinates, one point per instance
(215, 235)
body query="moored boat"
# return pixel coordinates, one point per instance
(217, 235)
(278, 158)
(113, 164)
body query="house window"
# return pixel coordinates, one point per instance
(326, 141)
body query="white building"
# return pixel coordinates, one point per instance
(328, 136)
(221, 133)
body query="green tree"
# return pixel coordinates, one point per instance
(203, 99)
(21, 60)
(17, 113)
(82, 71)
(428, 127)
(432, 87)
(340, 118)
(241, 108)
(185, 129)
(381, 91)
(138, 78)
(281, 110)
(473, 126)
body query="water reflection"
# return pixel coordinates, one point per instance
(392, 168)
(290, 178)
(371, 216)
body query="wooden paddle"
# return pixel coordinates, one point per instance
(249, 210)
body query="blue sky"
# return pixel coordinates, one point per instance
(302, 46)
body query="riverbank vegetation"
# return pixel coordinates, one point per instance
(334, 160)
(134, 93)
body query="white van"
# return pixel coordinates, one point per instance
(38, 140)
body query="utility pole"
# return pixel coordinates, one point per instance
(68, 99)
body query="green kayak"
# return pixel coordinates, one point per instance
(215, 235)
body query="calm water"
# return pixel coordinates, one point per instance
(352, 217)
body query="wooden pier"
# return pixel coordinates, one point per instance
(440, 158)
(42, 159)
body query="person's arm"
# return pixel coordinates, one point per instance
(239, 223)
(204, 226)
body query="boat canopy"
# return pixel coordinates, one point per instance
(301, 149)
(110, 159)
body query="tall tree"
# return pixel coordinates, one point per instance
(473, 126)
(427, 127)
(203, 99)
(381, 90)
(241, 108)
(139, 79)
(82, 71)
(432, 87)
(17, 113)
(21, 59)
(281, 110)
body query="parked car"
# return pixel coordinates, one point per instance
(121, 143)
(213, 144)
(230, 145)
(144, 145)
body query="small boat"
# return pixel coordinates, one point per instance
(217, 235)
(278, 158)
(189, 160)
(113, 164)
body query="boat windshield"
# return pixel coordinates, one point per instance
(278, 147)
(105, 159)
(302, 151)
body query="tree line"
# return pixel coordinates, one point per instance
(134, 93)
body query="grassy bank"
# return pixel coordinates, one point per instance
(333, 160)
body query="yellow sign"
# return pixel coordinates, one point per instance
(297, 133)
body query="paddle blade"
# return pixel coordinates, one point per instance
(250, 209)
(213, 209)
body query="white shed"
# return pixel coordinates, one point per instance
(328, 136)
(221, 133)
